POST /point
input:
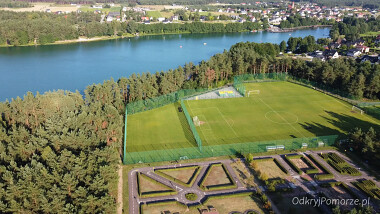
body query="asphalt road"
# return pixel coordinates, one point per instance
(135, 201)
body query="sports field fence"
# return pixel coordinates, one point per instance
(192, 126)
(228, 149)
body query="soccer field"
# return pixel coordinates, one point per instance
(157, 129)
(281, 110)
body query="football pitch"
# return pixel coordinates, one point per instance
(281, 110)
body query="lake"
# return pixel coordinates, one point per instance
(74, 66)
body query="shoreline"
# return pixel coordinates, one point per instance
(105, 38)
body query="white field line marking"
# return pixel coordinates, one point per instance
(281, 117)
(210, 129)
(226, 121)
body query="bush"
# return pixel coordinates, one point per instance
(191, 196)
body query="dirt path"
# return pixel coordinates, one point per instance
(120, 191)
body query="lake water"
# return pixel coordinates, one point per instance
(74, 66)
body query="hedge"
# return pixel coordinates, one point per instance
(288, 159)
(155, 193)
(227, 196)
(369, 189)
(263, 159)
(191, 180)
(280, 166)
(310, 171)
(326, 176)
(218, 187)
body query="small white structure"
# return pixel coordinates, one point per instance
(96, 6)
(160, 19)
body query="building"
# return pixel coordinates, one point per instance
(96, 6)
(354, 52)
(331, 54)
(113, 16)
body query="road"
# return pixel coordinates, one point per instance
(309, 187)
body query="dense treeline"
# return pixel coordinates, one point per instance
(351, 27)
(366, 143)
(42, 28)
(301, 45)
(58, 153)
(298, 21)
(14, 4)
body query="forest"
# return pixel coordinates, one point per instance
(298, 21)
(42, 28)
(14, 4)
(352, 27)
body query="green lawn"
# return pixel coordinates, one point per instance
(153, 13)
(282, 110)
(160, 128)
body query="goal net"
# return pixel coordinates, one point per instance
(253, 92)
(356, 109)
(196, 121)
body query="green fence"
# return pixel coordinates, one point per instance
(192, 126)
(156, 102)
(125, 137)
(227, 149)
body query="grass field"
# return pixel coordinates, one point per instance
(282, 110)
(153, 13)
(160, 128)
(223, 205)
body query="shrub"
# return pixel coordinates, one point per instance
(191, 196)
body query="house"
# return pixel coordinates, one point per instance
(363, 49)
(160, 19)
(331, 54)
(354, 52)
(174, 18)
(145, 18)
(374, 59)
(113, 16)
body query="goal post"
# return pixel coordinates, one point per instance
(253, 92)
(357, 109)
(196, 121)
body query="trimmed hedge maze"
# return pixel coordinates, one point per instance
(369, 188)
(190, 182)
(327, 174)
(289, 159)
(152, 193)
(229, 185)
(339, 164)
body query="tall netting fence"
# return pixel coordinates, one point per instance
(192, 126)
(229, 149)
(156, 102)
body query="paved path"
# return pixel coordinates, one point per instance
(120, 190)
(134, 199)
